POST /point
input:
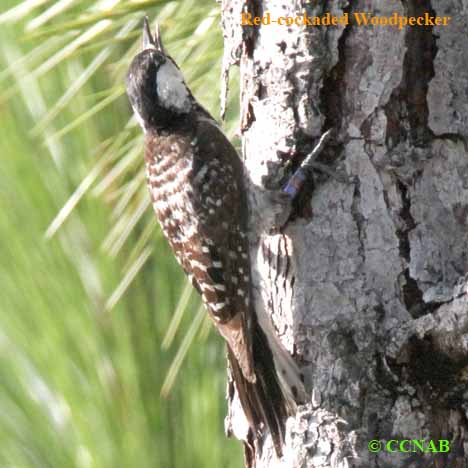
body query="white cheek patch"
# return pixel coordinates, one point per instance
(172, 92)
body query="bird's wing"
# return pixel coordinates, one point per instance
(218, 254)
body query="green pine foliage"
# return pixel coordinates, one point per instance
(105, 356)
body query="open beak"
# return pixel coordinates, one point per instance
(150, 42)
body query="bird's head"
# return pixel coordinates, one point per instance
(155, 85)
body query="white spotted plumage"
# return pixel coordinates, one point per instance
(195, 179)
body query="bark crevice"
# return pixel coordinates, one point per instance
(370, 278)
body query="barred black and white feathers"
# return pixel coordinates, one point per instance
(195, 179)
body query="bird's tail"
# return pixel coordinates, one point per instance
(272, 397)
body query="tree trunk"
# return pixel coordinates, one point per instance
(367, 284)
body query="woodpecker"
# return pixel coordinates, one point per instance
(196, 181)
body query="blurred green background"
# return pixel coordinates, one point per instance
(106, 358)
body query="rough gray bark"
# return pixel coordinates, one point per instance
(367, 285)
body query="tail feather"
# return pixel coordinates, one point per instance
(289, 376)
(268, 401)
